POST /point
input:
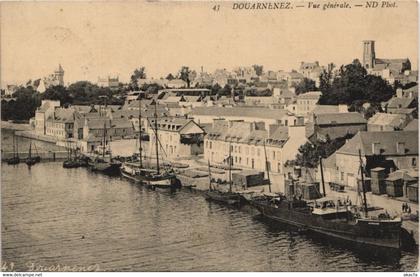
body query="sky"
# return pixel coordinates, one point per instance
(91, 39)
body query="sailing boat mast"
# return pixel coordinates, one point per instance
(14, 149)
(156, 140)
(363, 183)
(322, 175)
(17, 146)
(267, 169)
(30, 149)
(104, 140)
(230, 167)
(140, 148)
(209, 176)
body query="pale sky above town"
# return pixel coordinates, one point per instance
(98, 39)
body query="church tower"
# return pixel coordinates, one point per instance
(369, 54)
(59, 75)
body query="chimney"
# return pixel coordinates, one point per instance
(399, 92)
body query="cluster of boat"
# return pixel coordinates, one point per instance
(333, 219)
(30, 160)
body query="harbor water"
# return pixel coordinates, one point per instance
(53, 216)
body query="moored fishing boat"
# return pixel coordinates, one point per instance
(15, 159)
(334, 219)
(150, 177)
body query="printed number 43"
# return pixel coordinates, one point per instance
(216, 8)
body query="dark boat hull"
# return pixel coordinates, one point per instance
(361, 234)
(107, 168)
(227, 198)
(32, 161)
(13, 161)
(162, 181)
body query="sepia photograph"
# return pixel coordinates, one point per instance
(209, 136)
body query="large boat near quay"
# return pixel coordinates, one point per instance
(104, 163)
(334, 219)
(149, 176)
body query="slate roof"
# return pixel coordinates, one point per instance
(310, 95)
(387, 142)
(412, 126)
(386, 119)
(396, 102)
(238, 134)
(64, 115)
(339, 118)
(251, 111)
(400, 174)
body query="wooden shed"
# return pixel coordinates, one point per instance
(413, 192)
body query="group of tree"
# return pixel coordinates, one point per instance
(22, 106)
(352, 85)
(310, 153)
(26, 99)
(305, 85)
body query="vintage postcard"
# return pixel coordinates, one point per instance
(144, 136)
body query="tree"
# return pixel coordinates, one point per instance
(305, 85)
(58, 93)
(184, 74)
(259, 69)
(309, 153)
(23, 108)
(170, 77)
(353, 85)
(139, 73)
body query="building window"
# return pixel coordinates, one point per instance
(414, 162)
(342, 176)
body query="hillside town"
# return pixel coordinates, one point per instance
(315, 123)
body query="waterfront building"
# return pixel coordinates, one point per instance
(94, 130)
(247, 140)
(60, 124)
(390, 150)
(269, 116)
(46, 110)
(178, 138)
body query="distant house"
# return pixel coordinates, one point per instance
(306, 102)
(60, 124)
(386, 122)
(178, 137)
(311, 70)
(412, 92)
(247, 140)
(95, 129)
(335, 125)
(388, 149)
(176, 83)
(45, 111)
(396, 103)
(246, 113)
